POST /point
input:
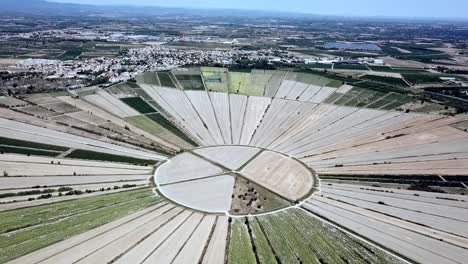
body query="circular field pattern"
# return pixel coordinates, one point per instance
(213, 165)
(235, 180)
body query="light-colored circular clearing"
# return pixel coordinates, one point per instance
(235, 180)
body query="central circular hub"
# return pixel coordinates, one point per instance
(235, 180)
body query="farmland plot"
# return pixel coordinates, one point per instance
(215, 79)
(281, 174)
(232, 157)
(221, 108)
(238, 105)
(27, 233)
(185, 167)
(37, 134)
(199, 101)
(254, 112)
(73, 180)
(106, 101)
(240, 83)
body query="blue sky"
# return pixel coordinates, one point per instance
(378, 8)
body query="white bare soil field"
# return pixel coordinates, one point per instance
(281, 174)
(193, 249)
(80, 252)
(297, 91)
(217, 245)
(319, 113)
(341, 127)
(274, 83)
(85, 116)
(184, 112)
(453, 239)
(211, 195)
(273, 110)
(83, 187)
(11, 101)
(171, 247)
(41, 99)
(142, 250)
(322, 95)
(202, 104)
(48, 169)
(415, 246)
(27, 132)
(446, 199)
(38, 111)
(220, 103)
(299, 141)
(28, 182)
(238, 105)
(279, 125)
(439, 217)
(256, 107)
(231, 157)
(183, 167)
(132, 236)
(444, 167)
(25, 204)
(111, 104)
(96, 115)
(39, 159)
(284, 89)
(308, 93)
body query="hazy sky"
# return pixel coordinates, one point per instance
(399, 8)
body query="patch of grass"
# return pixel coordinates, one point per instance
(138, 104)
(240, 248)
(29, 229)
(92, 155)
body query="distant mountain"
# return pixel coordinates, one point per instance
(45, 8)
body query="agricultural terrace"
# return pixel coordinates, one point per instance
(215, 165)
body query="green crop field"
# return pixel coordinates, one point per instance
(350, 67)
(92, 155)
(240, 82)
(27, 151)
(138, 104)
(297, 237)
(25, 230)
(421, 78)
(240, 248)
(385, 80)
(157, 125)
(165, 79)
(190, 81)
(29, 144)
